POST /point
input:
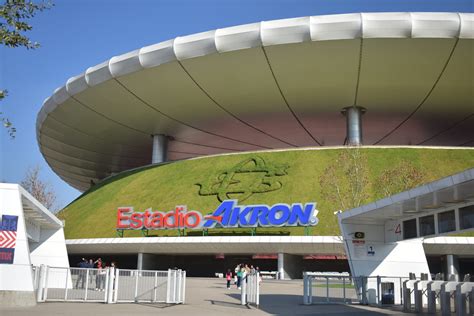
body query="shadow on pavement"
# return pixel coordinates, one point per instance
(288, 304)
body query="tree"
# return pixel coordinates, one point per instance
(14, 15)
(399, 178)
(345, 181)
(40, 190)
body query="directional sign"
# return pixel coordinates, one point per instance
(7, 239)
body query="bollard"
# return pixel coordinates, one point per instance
(431, 300)
(418, 298)
(305, 289)
(406, 297)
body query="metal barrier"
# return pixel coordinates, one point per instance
(341, 289)
(250, 289)
(324, 289)
(110, 285)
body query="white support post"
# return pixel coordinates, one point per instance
(87, 284)
(41, 283)
(136, 286)
(168, 288)
(116, 284)
(257, 287)
(110, 285)
(243, 290)
(65, 288)
(155, 286)
(184, 286)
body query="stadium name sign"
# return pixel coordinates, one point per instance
(227, 215)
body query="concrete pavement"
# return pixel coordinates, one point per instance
(206, 296)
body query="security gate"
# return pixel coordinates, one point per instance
(250, 289)
(110, 285)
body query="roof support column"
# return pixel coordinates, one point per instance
(160, 148)
(353, 116)
(452, 268)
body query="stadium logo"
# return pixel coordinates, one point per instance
(228, 214)
(253, 175)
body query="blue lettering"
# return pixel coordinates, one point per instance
(259, 216)
(300, 216)
(224, 210)
(279, 214)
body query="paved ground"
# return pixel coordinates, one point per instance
(206, 296)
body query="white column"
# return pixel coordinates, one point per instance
(281, 266)
(452, 264)
(160, 148)
(140, 261)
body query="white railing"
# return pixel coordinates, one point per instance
(250, 289)
(109, 285)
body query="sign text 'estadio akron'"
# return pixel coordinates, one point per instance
(227, 214)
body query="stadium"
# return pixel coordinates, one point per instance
(260, 114)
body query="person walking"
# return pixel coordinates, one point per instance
(239, 277)
(228, 277)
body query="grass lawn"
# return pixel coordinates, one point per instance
(163, 187)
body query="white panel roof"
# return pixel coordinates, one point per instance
(268, 85)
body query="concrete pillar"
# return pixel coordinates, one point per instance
(146, 261)
(289, 266)
(140, 261)
(281, 266)
(353, 116)
(452, 267)
(160, 148)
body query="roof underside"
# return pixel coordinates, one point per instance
(277, 84)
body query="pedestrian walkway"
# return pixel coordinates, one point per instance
(206, 296)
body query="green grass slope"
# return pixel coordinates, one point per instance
(163, 187)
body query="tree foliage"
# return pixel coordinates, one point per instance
(345, 181)
(14, 16)
(40, 190)
(399, 178)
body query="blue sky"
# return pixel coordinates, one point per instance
(75, 35)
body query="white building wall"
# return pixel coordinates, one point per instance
(374, 256)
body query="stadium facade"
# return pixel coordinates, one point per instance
(382, 80)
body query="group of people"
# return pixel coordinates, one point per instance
(99, 274)
(239, 272)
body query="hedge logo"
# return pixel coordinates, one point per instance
(248, 177)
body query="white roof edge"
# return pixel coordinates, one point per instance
(208, 239)
(466, 175)
(275, 32)
(40, 207)
(246, 239)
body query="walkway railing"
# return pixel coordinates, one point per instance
(109, 285)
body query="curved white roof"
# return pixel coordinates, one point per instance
(274, 84)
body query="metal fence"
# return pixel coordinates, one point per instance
(250, 289)
(109, 285)
(342, 289)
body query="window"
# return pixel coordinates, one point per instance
(446, 222)
(466, 217)
(427, 225)
(409, 229)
